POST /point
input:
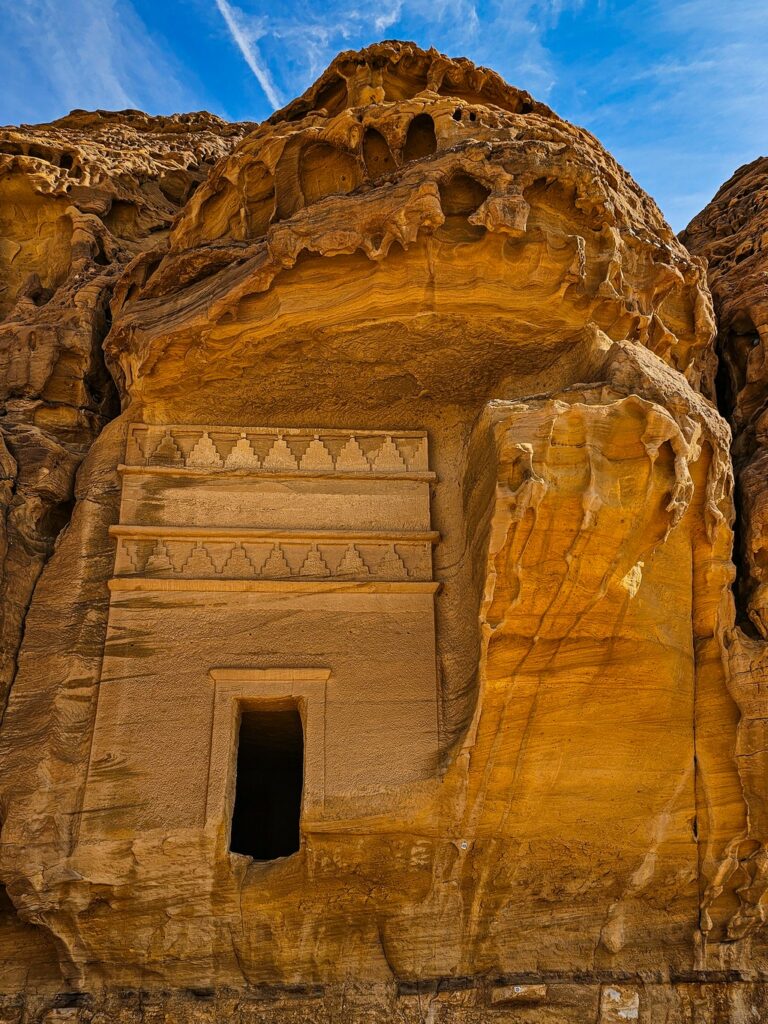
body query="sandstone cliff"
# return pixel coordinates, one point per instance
(78, 199)
(417, 438)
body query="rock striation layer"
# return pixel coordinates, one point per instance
(417, 449)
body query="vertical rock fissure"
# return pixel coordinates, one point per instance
(727, 387)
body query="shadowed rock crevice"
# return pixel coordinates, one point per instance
(377, 155)
(729, 233)
(420, 139)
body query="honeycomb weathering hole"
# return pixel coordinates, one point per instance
(421, 140)
(461, 195)
(377, 155)
(326, 170)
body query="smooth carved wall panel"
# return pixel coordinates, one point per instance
(255, 550)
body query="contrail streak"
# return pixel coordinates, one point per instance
(246, 45)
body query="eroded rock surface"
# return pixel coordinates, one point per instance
(417, 440)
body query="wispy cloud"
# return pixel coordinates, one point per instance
(246, 33)
(56, 56)
(296, 40)
(677, 91)
(670, 68)
(386, 18)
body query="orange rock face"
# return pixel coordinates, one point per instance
(388, 668)
(731, 234)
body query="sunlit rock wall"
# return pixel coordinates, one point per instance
(418, 437)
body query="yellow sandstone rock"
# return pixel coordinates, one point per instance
(388, 667)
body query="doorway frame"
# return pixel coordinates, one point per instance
(236, 689)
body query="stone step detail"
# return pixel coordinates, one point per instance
(280, 456)
(159, 560)
(388, 458)
(276, 567)
(314, 564)
(352, 564)
(352, 458)
(317, 456)
(231, 448)
(199, 563)
(167, 453)
(205, 455)
(238, 565)
(242, 456)
(272, 560)
(391, 566)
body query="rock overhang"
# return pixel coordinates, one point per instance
(452, 197)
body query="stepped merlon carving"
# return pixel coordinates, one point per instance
(283, 450)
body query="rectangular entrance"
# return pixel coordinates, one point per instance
(269, 782)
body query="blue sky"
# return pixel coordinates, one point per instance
(678, 91)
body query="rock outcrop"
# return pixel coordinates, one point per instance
(79, 198)
(732, 233)
(416, 446)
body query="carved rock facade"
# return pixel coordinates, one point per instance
(416, 441)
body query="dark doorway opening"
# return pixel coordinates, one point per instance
(270, 775)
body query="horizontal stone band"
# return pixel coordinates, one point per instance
(250, 533)
(274, 586)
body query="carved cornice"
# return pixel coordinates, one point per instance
(273, 586)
